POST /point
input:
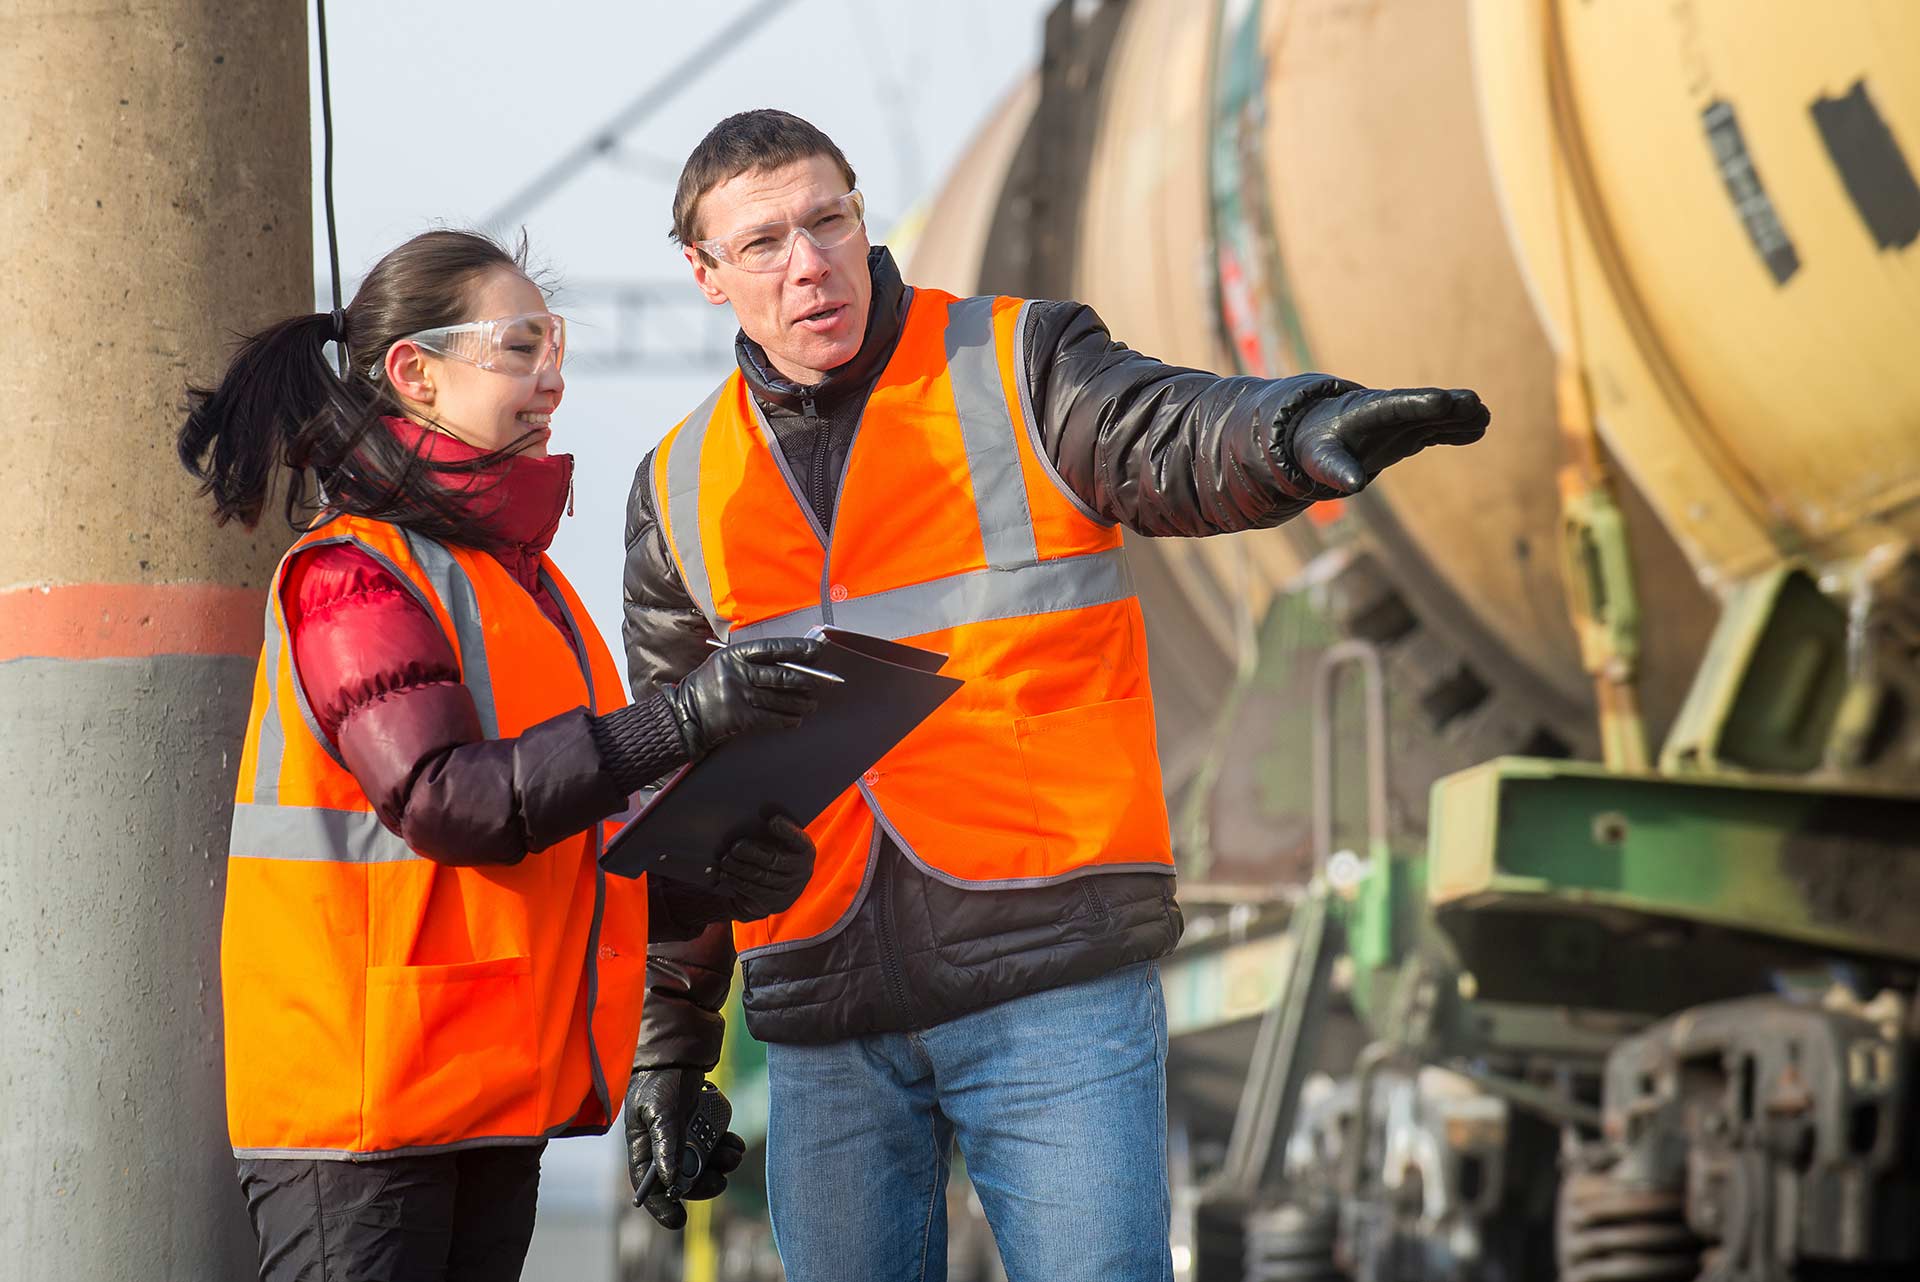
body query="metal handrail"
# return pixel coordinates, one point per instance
(1367, 656)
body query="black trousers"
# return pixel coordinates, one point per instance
(465, 1216)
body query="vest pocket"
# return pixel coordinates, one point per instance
(450, 1053)
(1095, 778)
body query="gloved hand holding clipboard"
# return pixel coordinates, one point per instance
(885, 690)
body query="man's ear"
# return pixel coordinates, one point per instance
(409, 374)
(703, 275)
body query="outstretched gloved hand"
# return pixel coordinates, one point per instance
(660, 1103)
(1342, 442)
(744, 687)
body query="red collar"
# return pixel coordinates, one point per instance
(518, 502)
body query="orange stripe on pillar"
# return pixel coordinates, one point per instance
(128, 620)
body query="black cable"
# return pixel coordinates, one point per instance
(326, 187)
(607, 136)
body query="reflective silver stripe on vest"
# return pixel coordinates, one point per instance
(596, 836)
(1023, 380)
(313, 834)
(455, 590)
(792, 624)
(978, 596)
(579, 637)
(683, 505)
(986, 429)
(272, 744)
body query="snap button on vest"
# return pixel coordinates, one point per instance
(837, 593)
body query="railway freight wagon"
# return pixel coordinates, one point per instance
(1548, 815)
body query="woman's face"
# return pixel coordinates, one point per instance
(488, 409)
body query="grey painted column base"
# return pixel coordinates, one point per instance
(114, 1160)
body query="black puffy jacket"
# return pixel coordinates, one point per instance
(1159, 449)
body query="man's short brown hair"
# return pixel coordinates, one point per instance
(761, 139)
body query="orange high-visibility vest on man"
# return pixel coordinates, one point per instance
(380, 1002)
(952, 532)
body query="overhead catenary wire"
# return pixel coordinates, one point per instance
(891, 88)
(607, 136)
(326, 172)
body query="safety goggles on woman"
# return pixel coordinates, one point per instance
(767, 248)
(515, 345)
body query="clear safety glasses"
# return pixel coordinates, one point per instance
(515, 345)
(767, 248)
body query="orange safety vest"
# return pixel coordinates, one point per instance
(952, 531)
(378, 1002)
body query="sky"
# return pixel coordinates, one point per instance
(441, 114)
(441, 122)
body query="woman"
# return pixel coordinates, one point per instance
(426, 976)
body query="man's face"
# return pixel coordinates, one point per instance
(810, 315)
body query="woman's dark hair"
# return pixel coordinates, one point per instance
(280, 404)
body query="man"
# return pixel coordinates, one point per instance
(973, 958)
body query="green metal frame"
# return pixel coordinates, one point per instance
(1772, 684)
(1563, 883)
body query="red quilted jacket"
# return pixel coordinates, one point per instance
(384, 684)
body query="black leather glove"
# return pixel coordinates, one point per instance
(743, 687)
(763, 874)
(660, 1102)
(1340, 443)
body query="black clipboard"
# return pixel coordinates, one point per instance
(698, 812)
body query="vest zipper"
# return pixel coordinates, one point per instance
(1096, 902)
(889, 940)
(816, 474)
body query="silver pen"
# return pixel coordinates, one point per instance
(834, 677)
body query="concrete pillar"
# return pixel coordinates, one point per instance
(154, 199)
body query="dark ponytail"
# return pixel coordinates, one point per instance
(240, 434)
(281, 405)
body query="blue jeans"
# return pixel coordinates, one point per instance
(1058, 1101)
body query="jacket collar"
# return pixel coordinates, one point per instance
(518, 503)
(886, 313)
